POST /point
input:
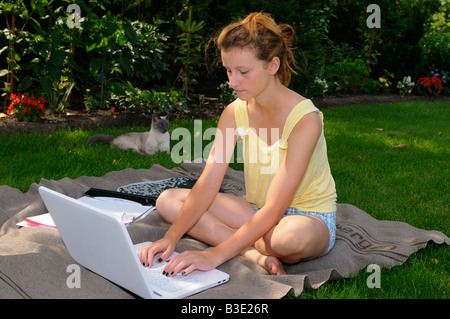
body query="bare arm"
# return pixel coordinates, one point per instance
(208, 185)
(202, 194)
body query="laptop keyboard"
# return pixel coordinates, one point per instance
(169, 284)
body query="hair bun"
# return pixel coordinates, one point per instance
(287, 33)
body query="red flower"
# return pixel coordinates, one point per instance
(10, 109)
(432, 85)
(26, 107)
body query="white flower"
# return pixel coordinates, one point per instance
(322, 84)
(405, 86)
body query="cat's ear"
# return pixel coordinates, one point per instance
(167, 117)
(156, 116)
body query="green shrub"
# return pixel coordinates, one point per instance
(149, 100)
(349, 75)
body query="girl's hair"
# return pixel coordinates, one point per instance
(268, 40)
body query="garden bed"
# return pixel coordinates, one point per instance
(73, 118)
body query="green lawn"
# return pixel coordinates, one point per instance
(393, 183)
(407, 184)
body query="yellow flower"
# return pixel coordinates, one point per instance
(87, 90)
(386, 84)
(336, 83)
(381, 80)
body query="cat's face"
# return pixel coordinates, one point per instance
(161, 124)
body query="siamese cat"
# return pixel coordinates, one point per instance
(157, 139)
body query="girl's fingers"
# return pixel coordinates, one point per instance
(147, 253)
(174, 266)
(187, 262)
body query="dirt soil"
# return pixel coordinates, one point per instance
(72, 119)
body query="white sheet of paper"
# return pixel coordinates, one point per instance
(124, 210)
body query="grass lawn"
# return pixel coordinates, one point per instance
(371, 172)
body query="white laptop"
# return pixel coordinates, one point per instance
(101, 243)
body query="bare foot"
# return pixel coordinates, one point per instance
(274, 266)
(270, 263)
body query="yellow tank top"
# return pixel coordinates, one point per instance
(316, 191)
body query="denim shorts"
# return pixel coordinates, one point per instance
(328, 218)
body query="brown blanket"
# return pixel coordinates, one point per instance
(34, 261)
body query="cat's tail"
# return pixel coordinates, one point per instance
(100, 138)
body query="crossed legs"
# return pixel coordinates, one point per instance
(293, 238)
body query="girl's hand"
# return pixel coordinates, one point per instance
(188, 261)
(148, 252)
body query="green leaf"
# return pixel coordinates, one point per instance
(122, 41)
(130, 32)
(74, 65)
(117, 69)
(57, 37)
(40, 8)
(91, 47)
(117, 89)
(126, 64)
(64, 102)
(57, 58)
(16, 55)
(25, 83)
(46, 84)
(182, 25)
(33, 66)
(3, 72)
(12, 64)
(110, 27)
(53, 70)
(95, 64)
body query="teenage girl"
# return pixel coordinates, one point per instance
(288, 213)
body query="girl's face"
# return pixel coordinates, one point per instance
(247, 75)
